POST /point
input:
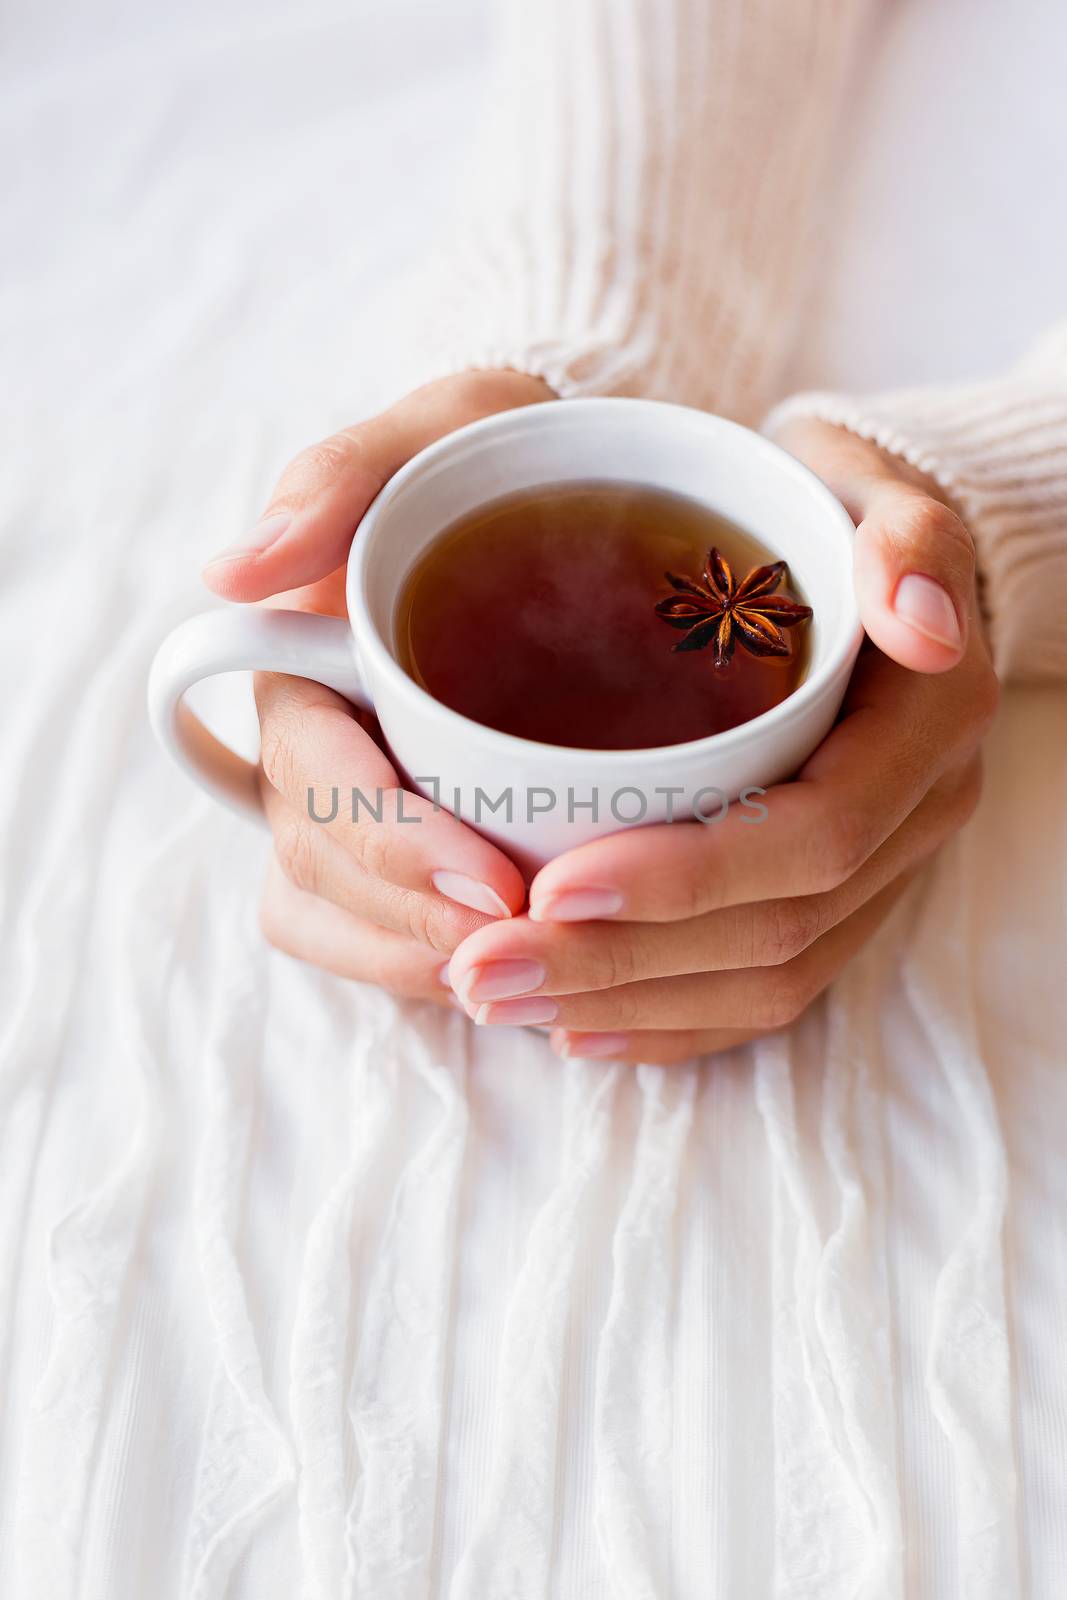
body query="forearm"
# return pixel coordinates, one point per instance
(645, 196)
(998, 450)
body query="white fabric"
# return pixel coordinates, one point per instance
(302, 1293)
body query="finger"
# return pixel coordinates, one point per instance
(522, 957)
(757, 998)
(307, 527)
(316, 865)
(316, 755)
(914, 572)
(901, 732)
(302, 925)
(664, 1048)
(914, 564)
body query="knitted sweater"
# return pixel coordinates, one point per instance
(642, 211)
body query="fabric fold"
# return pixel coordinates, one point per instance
(245, 1462)
(968, 1355)
(510, 1548)
(837, 1520)
(322, 1330)
(91, 1247)
(633, 1394)
(397, 1398)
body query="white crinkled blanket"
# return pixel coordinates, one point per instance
(301, 1292)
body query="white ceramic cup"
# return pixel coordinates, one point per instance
(466, 766)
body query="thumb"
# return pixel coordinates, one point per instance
(913, 561)
(307, 528)
(914, 573)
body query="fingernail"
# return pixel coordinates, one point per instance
(443, 975)
(577, 905)
(469, 892)
(926, 607)
(518, 1013)
(592, 1044)
(261, 537)
(500, 980)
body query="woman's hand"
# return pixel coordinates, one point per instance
(667, 941)
(380, 901)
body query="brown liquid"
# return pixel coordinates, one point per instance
(535, 616)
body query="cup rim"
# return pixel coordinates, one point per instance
(371, 644)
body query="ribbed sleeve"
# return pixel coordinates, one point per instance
(644, 196)
(999, 450)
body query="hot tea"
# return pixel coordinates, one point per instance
(603, 616)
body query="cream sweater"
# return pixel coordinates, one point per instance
(642, 213)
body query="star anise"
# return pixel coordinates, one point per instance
(719, 609)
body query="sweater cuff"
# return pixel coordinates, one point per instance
(999, 452)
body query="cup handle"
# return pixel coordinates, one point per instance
(259, 640)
